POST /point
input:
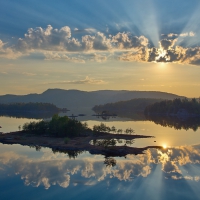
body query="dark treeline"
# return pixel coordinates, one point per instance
(66, 127)
(123, 107)
(72, 154)
(175, 122)
(57, 126)
(27, 114)
(28, 107)
(103, 128)
(174, 107)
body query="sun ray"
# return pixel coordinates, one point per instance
(192, 26)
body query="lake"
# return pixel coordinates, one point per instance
(170, 173)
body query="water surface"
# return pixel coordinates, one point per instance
(171, 173)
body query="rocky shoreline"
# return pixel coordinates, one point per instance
(76, 144)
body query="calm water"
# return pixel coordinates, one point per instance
(171, 173)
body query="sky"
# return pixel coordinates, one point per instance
(149, 45)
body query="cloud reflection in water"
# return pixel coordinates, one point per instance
(57, 169)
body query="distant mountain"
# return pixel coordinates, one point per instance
(81, 99)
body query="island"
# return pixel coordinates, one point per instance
(65, 134)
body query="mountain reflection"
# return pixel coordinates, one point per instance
(57, 169)
(177, 123)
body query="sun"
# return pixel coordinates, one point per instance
(164, 146)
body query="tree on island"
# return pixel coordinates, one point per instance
(57, 126)
(66, 127)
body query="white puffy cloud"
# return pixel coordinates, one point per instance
(46, 39)
(51, 39)
(127, 41)
(97, 42)
(8, 52)
(91, 45)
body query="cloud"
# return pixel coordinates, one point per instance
(141, 55)
(167, 52)
(62, 56)
(47, 39)
(51, 39)
(87, 30)
(190, 34)
(92, 45)
(87, 80)
(170, 35)
(28, 74)
(8, 52)
(97, 57)
(166, 44)
(170, 167)
(186, 34)
(126, 41)
(56, 169)
(97, 42)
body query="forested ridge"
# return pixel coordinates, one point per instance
(28, 107)
(175, 107)
(133, 105)
(79, 99)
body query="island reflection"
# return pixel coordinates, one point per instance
(53, 168)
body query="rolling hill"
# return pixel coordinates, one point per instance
(83, 99)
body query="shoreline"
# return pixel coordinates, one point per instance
(77, 143)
